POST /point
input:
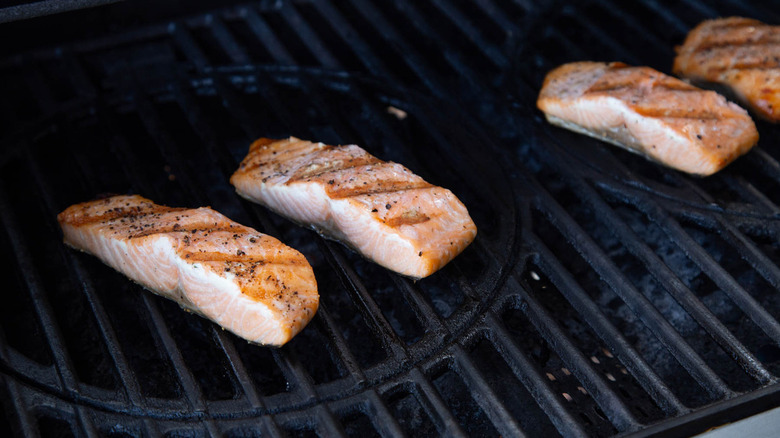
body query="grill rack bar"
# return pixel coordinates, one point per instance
(612, 404)
(669, 281)
(637, 302)
(524, 370)
(41, 303)
(567, 285)
(128, 380)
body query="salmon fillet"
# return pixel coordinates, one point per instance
(247, 282)
(381, 209)
(647, 112)
(739, 53)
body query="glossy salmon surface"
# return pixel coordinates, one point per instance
(647, 112)
(247, 282)
(381, 209)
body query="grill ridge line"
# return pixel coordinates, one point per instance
(345, 356)
(672, 284)
(483, 394)
(470, 31)
(633, 298)
(62, 363)
(290, 367)
(395, 41)
(193, 396)
(431, 401)
(527, 374)
(128, 380)
(628, 356)
(351, 37)
(609, 402)
(266, 36)
(705, 262)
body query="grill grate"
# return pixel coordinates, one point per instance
(603, 296)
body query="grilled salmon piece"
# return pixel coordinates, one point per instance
(740, 53)
(649, 113)
(381, 209)
(247, 282)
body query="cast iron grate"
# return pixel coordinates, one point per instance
(603, 296)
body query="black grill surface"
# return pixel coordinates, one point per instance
(604, 295)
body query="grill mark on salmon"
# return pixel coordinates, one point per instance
(649, 113)
(739, 53)
(246, 281)
(381, 209)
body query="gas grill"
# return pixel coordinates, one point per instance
(603, 296)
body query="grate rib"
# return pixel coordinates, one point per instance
(673, 285)
(191, 391)
(704, 261)
(612, 404)
(466, 26)
(372, 314)
(267, 36)
(490, 9)
(347, 33)
(423, 26)
(327, 424)
(315, 44)
(527, 373)
(749, 252)
(130, 384)
(22, 413)
(437, 410)
(184, 40)
(86, 423)
(35, 289)
(345, 356)
(381, 417)
(226, 40)
(396, 42)
(484, 395)
(637, 302)
(420, 306)
(593, 315)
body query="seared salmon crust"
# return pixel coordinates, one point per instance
(649, 113)
(247, 282)
(381, 209)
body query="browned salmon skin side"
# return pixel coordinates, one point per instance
(740, 53)
(247, 282)
(381, 209)
(649, 113)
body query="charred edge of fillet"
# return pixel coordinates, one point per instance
(189, 228)
(409, 217)
(678, 113)
(630, 84)
(256, 152)
(117, 213)
(350, 163)
(712, 46)
(215, 256)
(726, 23)
(377, 189)
(774, 65)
